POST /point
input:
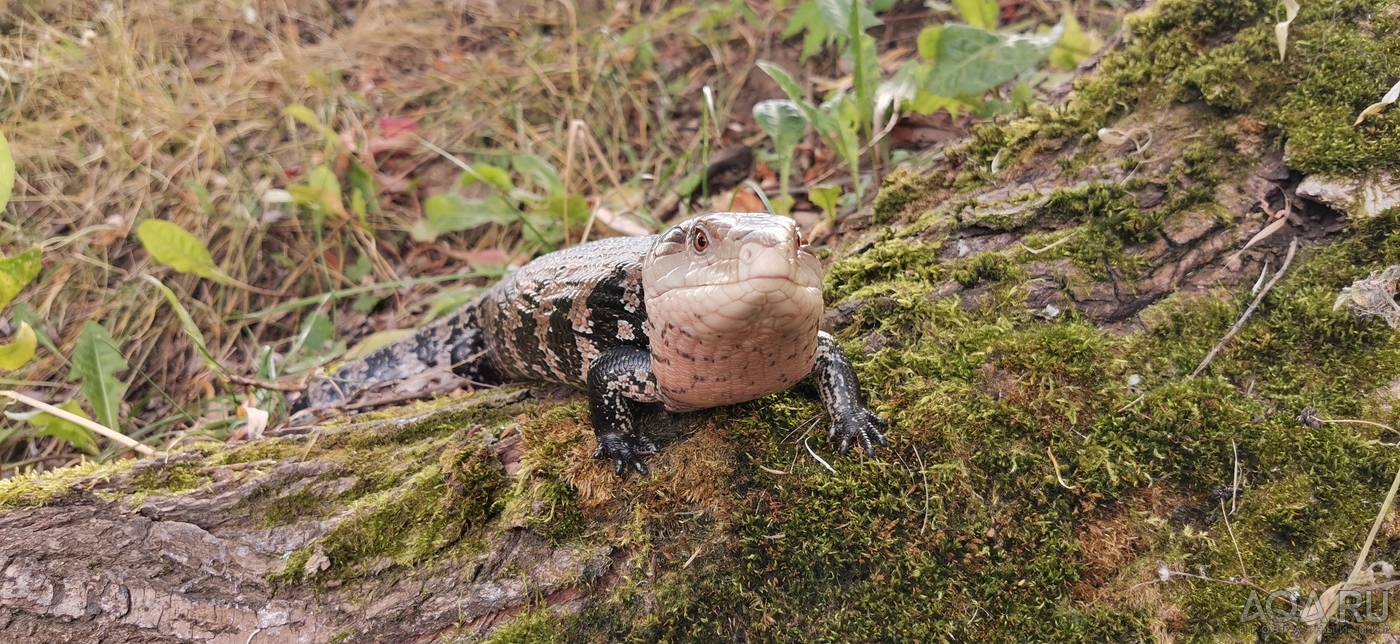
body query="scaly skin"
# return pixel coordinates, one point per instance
(715, 311)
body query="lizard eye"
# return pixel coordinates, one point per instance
(701, 242)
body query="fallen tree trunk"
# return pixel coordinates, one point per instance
(1028, 308)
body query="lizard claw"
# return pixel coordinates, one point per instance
(625, 450)
(861, 426)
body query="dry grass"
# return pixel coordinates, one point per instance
(121, 111)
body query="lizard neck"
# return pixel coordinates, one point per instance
(761, 342)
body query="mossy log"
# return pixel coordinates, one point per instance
(1027, 308)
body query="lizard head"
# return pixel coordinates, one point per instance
(730, 293)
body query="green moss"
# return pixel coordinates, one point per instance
(985, 267)
(1345, 55)
(32, 490)
(528, 628)
(885, 260)
(900, 188)
(172, 478)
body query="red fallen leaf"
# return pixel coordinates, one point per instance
(332, 259)
(486, 257)
(395, 125)
(397, 134)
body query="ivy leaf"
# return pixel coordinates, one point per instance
(7, 172)
(72, 433)
(19, 350)
(17, 272)
(971, 61)
(96, 361)
(978, 13)
(171, 245)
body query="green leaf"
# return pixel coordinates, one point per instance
(926, 103)
(22, 313)
(825, 21)
(1074, 46)
(19, 350)
(928, 42)
(971, 61)
(17, 272)
(1021, 95)
(841, 120)
(96, 361)
(187, 323)
(306, 116)
(171, 245)
(316, 330)
(825, 197)
(451, 212)
(782, 120)
(978, 13)
(788, 85)
(357, 271)
(72, 433)
(485, 172)
(837, 16)
(865, 77)
(899, 89)
(326, 188)
(782, 204)
(538, 171)
(576, 204)
(7, 172)
(363, 188)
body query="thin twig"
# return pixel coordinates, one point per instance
(923, 471)
(1244, 574)
(1057, 242)
(825, 464)
(289, 386)
(1056, 463)
(1292, 249)
(1235, 484)
(79, 420)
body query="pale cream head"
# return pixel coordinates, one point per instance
(733, 295)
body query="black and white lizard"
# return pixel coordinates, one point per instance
(717, 310)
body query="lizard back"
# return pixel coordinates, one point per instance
(552, 318)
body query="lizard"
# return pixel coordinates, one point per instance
(717, 310)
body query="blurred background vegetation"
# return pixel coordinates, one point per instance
(212, 194)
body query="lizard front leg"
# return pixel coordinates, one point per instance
(836, 383)
(617, 380)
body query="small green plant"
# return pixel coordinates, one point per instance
(539, 203)
(825, 197)
(958, 65)
(782, 121)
